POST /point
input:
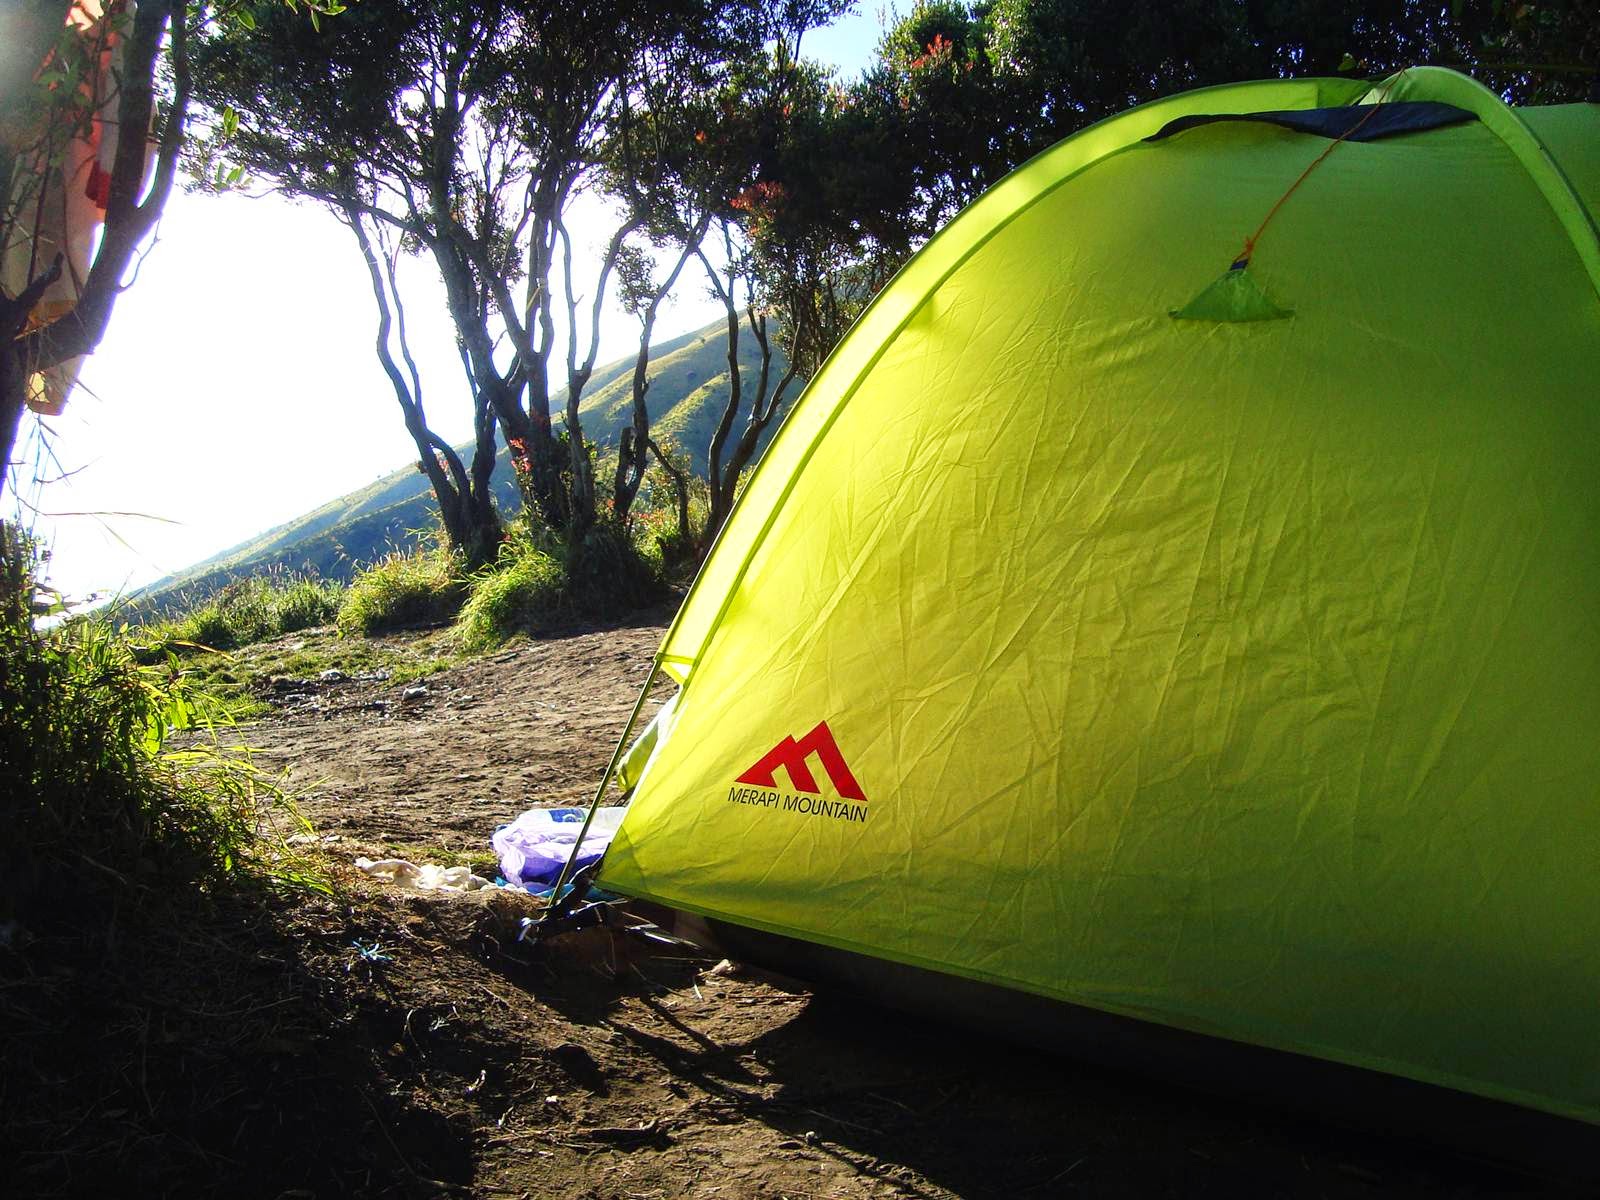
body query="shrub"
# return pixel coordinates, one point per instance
(207, 626)
(609, 572)
(96, 802)
(404, 588)
(246, 611)
(653, 519)
(525, 590)
(536, 583)
(304, 603)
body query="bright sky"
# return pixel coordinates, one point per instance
(237, 387)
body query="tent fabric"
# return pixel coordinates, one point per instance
(1240, 677)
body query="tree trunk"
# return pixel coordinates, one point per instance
(13, 391)
(129, 219)
(487, 532)
(471, 526)
(721, 499)
(764, 408)
(633, 448)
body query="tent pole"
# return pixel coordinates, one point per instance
(605, 781)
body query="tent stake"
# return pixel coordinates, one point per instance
(605, 781)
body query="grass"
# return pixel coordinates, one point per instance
(404, 589)
(244, 612)
(99, 793)
(229, 643)
(235, 681)
(283, 624)
(537, 585)
(525, 590)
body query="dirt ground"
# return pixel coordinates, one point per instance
(437, 1056)
(440, 762)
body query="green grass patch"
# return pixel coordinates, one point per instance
(525, 590)
(244, 612)
(535, 586)
(101, 801)
(236, 681)
(404, 589)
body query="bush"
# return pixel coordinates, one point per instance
(402, 589)
(609, 573)
(95, 802)
(653, 519)
(524, 591)
(305, 603)
(537, 583)
(246, 611)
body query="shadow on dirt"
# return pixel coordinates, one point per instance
(397, 1045)
(209, 1048)
(982, 1117)
(937, 1110)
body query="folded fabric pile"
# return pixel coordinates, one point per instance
(535, 846)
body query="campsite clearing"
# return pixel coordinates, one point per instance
(443, 1055)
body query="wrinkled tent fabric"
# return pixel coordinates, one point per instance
(1239, 676)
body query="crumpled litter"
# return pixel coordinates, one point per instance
(428, 877)
(535, 846)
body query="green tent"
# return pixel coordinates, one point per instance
(1179, 597)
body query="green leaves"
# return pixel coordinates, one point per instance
(226, 178)
(218, 174)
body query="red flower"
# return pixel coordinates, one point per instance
(519, 456)
(939, 48)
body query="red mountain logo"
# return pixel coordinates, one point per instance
(792, 756)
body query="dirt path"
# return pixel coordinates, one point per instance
(609, 1072)
(442, 762)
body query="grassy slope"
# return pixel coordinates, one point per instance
(688, 387)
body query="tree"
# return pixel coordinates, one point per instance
(860, 175)
(95, 94)
(466, 504)
(738, 156)
(852, 179)
(578, 92)
(981, 88)
(96, 68)
(371, 118)
(469, 131)
(641, 296)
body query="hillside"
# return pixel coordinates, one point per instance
(688, 386)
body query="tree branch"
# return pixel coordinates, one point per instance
(424, 438)
(14, 313)
(128, 221)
